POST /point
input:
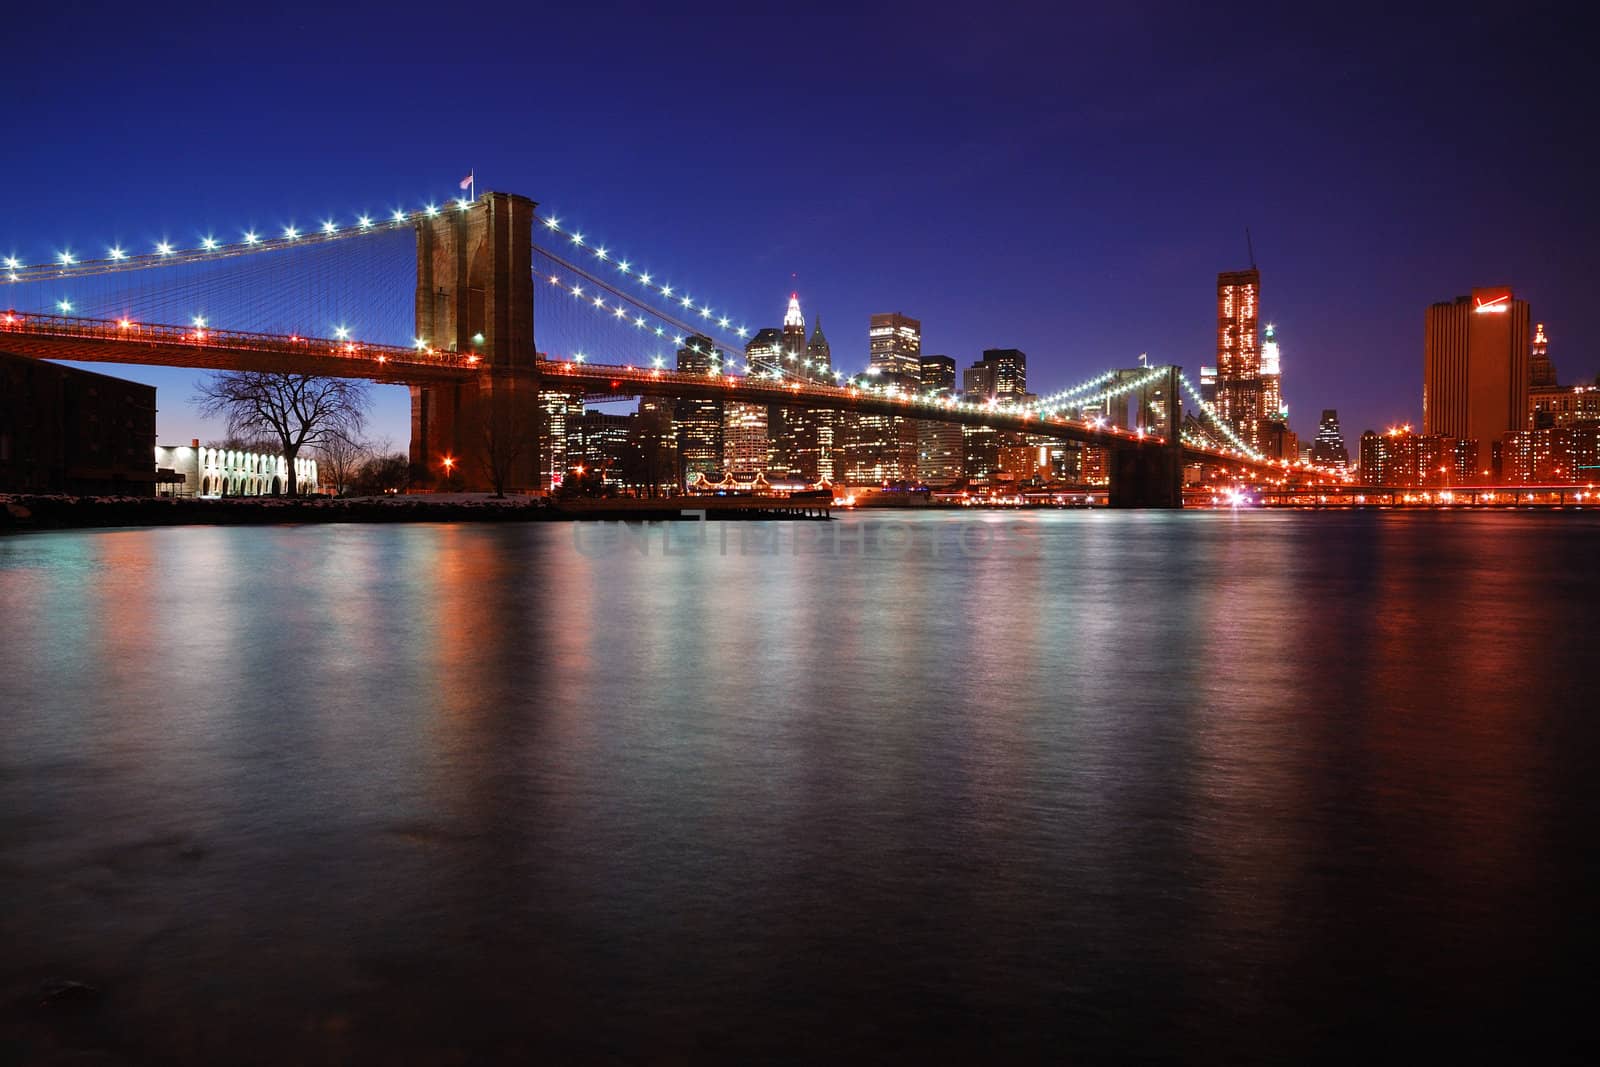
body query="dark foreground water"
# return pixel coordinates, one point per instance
(1099, 786)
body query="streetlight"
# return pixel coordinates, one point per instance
(449, 468)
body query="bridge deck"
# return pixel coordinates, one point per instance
(122, 341)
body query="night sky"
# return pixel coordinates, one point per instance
(1068, 184)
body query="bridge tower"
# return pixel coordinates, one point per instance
(1144, 477)
(475, 295)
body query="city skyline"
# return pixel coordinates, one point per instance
(984, 253)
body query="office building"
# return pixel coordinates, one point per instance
(937, 374)
(802, 439)
(1238, 402)
(1560, 406)
(698, 422)
(1475, 367)
(977, 382)
(558, 416)
(1010, 372)
(1541, 372)
(764, 353)
(1328, 450)
(894, 346)
(1272, 408)
(745, 447)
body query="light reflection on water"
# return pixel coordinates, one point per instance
(1161, 784)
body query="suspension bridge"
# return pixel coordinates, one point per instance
(465, 283)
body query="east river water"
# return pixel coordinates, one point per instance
(1065, 785)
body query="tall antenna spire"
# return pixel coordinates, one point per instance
(1251, 246)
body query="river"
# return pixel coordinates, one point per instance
(1070, 785)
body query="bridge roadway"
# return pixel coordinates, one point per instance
(124, 341)
(90, 340)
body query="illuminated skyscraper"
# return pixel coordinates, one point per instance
(894, 343)
(559, 415)
(937, 374)
(1475, 367)
(941, 446)
(1272, 407)
(1238, 400)
(745, 446)
(698, 422)
(764, 352)
(1329, 450)
(794, 335)
(977, 381)
(827, 421)
(1010, 372)
(1541, 372)
(802, 440)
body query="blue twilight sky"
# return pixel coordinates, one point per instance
(1063, 180)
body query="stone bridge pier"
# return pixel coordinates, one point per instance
(475, 295)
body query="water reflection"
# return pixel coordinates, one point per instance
(1141, 784)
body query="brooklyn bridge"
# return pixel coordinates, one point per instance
(472, 278)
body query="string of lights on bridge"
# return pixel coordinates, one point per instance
(645, 278)
(1216, 421)
(68, 263)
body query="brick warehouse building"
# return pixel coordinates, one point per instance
(65, 430)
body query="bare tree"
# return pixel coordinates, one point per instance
(295, 410)
(384, 472)
(339, 457)
(510, 432)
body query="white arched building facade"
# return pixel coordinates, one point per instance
(214, 472)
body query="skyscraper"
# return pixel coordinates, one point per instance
(559, 414)
(1328, 450)
(937, 374)
(1238, 401)
(1272, 408)
(894, 344)
(819, 351)
(794, 335)
(802, 440)
(941, 446)
(1010, 372)
(745, 448)
(827, 421)
(764, 352)
(698, 422)
(977, 381)
(1541, 372)
(1475, 367)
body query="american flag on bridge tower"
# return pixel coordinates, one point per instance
(466, 183)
